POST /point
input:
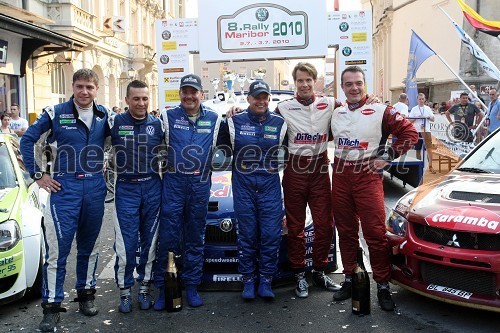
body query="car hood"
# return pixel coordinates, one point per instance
(221, 196)
(7, 200)
(461, 202)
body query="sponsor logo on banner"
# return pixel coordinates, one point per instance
(465, 218)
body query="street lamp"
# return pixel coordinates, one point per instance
(131, 73)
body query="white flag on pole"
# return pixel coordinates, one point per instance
(480, 56)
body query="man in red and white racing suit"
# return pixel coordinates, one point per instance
(306, 177)
(360, 134)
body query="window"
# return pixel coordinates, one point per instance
(58, 85)
(9, 92)
(7, 173)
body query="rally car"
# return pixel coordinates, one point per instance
(21, 235)
(445, 237)
(220, 270)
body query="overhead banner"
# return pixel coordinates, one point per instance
(352, 32)
(243, 30)
(175, 38)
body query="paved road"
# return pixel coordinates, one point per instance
(225, 312)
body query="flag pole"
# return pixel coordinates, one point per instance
(462, 81)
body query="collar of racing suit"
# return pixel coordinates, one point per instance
(353, 106)
(96, 110)
(305, 102)
(258, 118)
(135, 120)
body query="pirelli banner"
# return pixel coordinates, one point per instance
(245, 29)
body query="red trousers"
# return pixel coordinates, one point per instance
(358, 197)
(306, 181)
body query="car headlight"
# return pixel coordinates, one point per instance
(10, 234)
(396, 224)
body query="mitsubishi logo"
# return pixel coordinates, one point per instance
(454, 241)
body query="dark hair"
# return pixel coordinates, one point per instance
(14, 104)
(352, 69)
(136, 84)
(87, 75)
(305, 67)
(4, 114)
(464, 94)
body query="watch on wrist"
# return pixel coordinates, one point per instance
(37, 175)
(386, 157)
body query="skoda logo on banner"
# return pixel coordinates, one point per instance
(3, 52)
(346, 51)
(344, 26)
(262, 14)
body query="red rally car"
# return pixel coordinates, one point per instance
(445, 237)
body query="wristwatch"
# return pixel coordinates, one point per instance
(37, 175)
(386, 157)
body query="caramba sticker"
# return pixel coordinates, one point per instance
(465, 218)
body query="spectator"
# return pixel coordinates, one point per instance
(18, 124)
(493, 111)
(117, 109)
(137, 194)
(191, 132)
(5, 117)
(357, 191)
(466, 115)
(77, 191)
(435, 108)
(472, 95)
(424, 116)
(402, 105)
(443, 108)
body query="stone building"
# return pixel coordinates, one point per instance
(393, 21)
(46, 41)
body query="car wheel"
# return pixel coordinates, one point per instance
(36, 290)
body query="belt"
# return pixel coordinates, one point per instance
(308, 158)
(78, 175)
(338, 161)
(134, 179)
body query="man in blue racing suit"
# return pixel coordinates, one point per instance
(256, 136)
(77, 191)
(190, 133)
(136, 137)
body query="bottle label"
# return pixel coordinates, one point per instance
(355, 305)
(177, 303)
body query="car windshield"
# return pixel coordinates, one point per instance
(486, 158)
(221, 162)
(7, 173)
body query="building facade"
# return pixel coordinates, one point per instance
(49, 40)
(393, 21)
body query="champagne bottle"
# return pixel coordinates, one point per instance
(173, 293)
(360, 288)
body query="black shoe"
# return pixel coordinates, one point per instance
(322, 280)
(302, 289)
(85, 301)
(344, 292)
(51, 316)
(385, 299)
